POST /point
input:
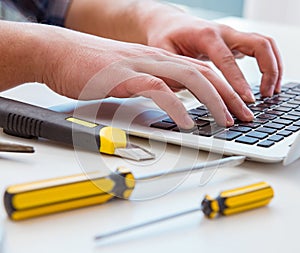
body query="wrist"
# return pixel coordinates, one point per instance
(152, 15)
(21, 54)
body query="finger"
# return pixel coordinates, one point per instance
(260, 47)
(224, 60)
(156, 89)
(279, 65)
(192, 79)
(232, 100)
(236, 54)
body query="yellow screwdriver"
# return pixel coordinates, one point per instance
(228, 202)
(38, 198)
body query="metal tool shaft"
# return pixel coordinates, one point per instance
(219, 163)
(9, 147)
(113, 233)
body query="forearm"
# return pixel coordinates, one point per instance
(20, 57)
(125, 20)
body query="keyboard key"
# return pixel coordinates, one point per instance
(258, 135)
(169, 120)
(281, 98)
(283, 121)
(294, 113)
(291, 85)
(276, 138)
(249, 124)
(266, 130)
(260, 121)
(228, 135)
(163, 125)
(263, 105)
(208, 130)
(292, 92)
(285, 133)
(285, 95)
(290, 117)
(247, 140)
(273, 101)
(297, 89)
(201, 123)
(293, 128)
(282, 109)
(177, 129)
(241, 129)
(274, 126)
(197, 112)
(256, 108)
(297, 123)
(266, 144)
(278, 113)
(202, 107)
(290, 105)
(295, 102)
(258, 97)
(266, 116)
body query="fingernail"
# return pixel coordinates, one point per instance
(271, 90)
(248, 96)
(188, 122)
(278, 90)
(248, 113)
(229, 119)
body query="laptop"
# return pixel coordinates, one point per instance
(270, 138)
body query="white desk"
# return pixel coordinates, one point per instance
(270, 229)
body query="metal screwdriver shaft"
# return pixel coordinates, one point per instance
(227, 203)
(75, 191)
(9, 147)
(230, 161)
(123, 230)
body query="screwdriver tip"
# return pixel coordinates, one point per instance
(16, 148)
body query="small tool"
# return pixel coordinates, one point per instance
(17, 148)
(227, 203)
(29, 200)
(29, 121)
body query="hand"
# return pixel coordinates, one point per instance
(186, 35)
(71, 60)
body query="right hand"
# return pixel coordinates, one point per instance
(71, 60)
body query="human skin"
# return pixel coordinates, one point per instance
(158, 33)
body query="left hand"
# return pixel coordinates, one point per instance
(186, 35)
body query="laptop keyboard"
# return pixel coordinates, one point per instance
(275, 118)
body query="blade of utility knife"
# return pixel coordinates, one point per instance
(134, 152)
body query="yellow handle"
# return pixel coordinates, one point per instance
(60, 194)
(238, 200)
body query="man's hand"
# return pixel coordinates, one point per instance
(84, 66)
(89, 67)
(186, 35)
(192, 39)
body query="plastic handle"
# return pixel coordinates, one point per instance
(60, 194)
(238, 200)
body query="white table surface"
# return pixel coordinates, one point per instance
(270, 229)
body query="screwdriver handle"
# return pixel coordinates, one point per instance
(30, 121)
(238, 200)
(29, 200)
(229, 202)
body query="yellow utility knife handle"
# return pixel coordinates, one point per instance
(55, 195)
(238, 200)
